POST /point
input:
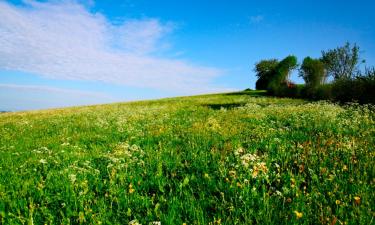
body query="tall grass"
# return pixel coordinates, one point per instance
(237, 158)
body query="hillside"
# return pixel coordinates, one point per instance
(235, 158)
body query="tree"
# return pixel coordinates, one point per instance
(280, 80)
(283, 69)
(313, 72)
(341, 62)
(264, 70)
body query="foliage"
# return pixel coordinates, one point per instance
(360, 88)
(249, 160)
(349, 84)
(312, 71)
(279, 82)
(265, 69)
(322, 92)
(341, 62)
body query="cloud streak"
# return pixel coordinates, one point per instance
(66, 41)
(256, 19)
(37, 97)
(39, 88)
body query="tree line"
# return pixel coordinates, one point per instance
(334, 76)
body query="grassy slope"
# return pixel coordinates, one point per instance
(233, 158)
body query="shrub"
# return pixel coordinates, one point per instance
(323, 92)
(360, 89)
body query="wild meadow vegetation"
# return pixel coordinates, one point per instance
(237, 158)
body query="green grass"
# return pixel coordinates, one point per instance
(238, 158)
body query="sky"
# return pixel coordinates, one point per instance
(67, 53)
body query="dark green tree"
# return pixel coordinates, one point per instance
(341, 62)
(264, 70)
(313, 72)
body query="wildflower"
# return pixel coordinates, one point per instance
(298, 214)
(247, 159)
(239, 151)
(292, 183)
(255, 172)
(357, 200)
(344, 168)
(259, 167)
(156, 223)
(263, 167)
(206, 175)
(279, 193)
(239, 184)
(218, 221)
(134, 222)
(131, 189)
(232, 173)
(338, 202)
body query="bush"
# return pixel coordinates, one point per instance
(323, 92)
(360, 89)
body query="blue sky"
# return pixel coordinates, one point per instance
(63, 53)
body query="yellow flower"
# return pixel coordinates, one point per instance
(255, 172)
(232, 173)
(298, 214)
(292, 182)
(338, 202)
(218, 221)
(131, 189)
(357, 200)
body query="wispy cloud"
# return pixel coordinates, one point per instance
(64, 40)
(256, 19)
(14, 97)
(40, 88)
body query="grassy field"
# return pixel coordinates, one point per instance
(237, 158)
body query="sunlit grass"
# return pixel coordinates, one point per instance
(238, 158)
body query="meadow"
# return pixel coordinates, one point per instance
(235, 158)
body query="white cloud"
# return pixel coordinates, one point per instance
(16, 97)
(64, 40)
(143, 36)
(256, 19)
(54, 90)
